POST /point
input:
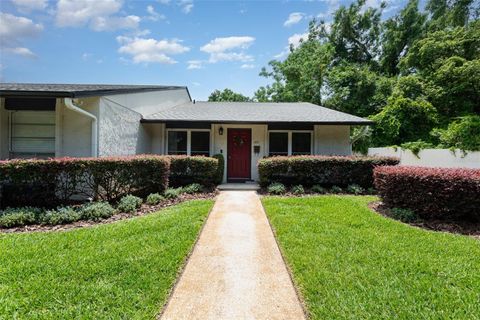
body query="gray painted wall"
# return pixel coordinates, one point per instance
(332, 140)
(3, 130)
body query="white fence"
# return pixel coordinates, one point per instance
(431, 157)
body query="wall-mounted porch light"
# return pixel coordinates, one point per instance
(220, 131)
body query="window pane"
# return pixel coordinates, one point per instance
(177, 142)
(200, 143)
(278, 144)
(301, 143)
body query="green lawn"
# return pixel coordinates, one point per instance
(122, 270)
(351, 263)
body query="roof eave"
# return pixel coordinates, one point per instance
(363, 122)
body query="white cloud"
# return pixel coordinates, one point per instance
(151, 50)
(153, 15)
(98, 14)
(294, 18)
(29, 5)
(229, 49)
(21, 51)
(13, 29)
(195, 64)
(86, 56)
(247, 66)
(186, 5)
(294, 41)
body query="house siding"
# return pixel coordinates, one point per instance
(121, 132)
(3, 130)
(332, 140)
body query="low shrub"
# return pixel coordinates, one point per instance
(49, 183)
(61, 215)
(404, 215)
(192, 188)
(276, 188)
(129, 203)
(220, 167)
(96, 211)
(18, 217)
(185, 170)
(432, 193)
(173, 193)
(318, 189)
(154, 199)
(355, 189)
(298, 189)
(336, 189)
(321, 170)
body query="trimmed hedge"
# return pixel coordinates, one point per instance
(53, 182)
(321, 170)
(185, 170)
(432, 193)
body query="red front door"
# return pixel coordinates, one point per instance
(239, 154)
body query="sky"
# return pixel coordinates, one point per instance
(205, 45)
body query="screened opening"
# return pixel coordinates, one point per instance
(278, 144)
(200, 143)
(301, 143)
(177, 142)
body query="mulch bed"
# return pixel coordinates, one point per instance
(456, 227)
(144, 210)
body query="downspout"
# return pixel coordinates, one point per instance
(69, 104)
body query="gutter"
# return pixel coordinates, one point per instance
(69, 104)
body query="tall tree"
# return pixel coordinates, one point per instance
(227, 95)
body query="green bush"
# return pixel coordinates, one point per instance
(405, 215)
(185, 170)
(355, 189)
(96, 211)
(298, 189)
(220, 167)
(463, 133)
(154, 199)
(129, 203)
(62, 215)
(321, 170)
(17, 217)
(192, 188)
(276, 188)
(50, 183)
(336, 189)
(318, 189)
(173, 193)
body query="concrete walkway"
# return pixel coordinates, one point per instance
(236, 270)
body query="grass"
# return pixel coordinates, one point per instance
(351, 263)
(122, 270)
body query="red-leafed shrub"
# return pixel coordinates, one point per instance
(185, 170)
(432, 193)
(321, 170)
(52, 182)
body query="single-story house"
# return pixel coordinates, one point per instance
(77, 120)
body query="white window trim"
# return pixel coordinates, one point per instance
(189, 139)
(290, 132)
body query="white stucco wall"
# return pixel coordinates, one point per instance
(156, 131)
(75, 133)
(444, 158)
(332, 140)
(3, 130)
(147, 103)
(259, 137)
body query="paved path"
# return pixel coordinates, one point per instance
(236, 270)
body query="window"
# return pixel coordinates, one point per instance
(200, 145)
(177, 142)
(286, 143)
(278, 144)
(32, 134)
(188, 142)
(301, 143)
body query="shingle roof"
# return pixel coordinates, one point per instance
(254, 112)
(74, 90)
